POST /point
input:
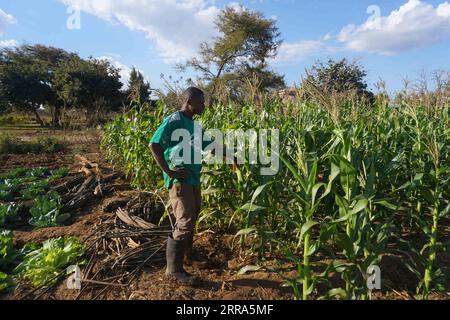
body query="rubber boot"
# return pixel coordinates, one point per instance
(189, 244)
(174, 256)
(192, 259)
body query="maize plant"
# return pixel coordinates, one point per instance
(125, 142)
(355, 185)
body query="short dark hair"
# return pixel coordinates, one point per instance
(192, 93)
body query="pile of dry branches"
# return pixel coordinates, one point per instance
(124, 243)
(88, 184)
(118, 249)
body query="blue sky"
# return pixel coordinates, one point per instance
(397, 38)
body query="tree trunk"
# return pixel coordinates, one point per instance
(38, 118)
(64, 115)
(56, 117)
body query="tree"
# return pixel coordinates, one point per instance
(245, 43)
(93, 85)
(26, 78)
(67, 82)
(138, 88)
(36, 76)
(5, 107)
(339, 77)
(103, 87)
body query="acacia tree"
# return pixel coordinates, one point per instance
(68, 82)
(338, 76)
(26, 78)
(93, 85)
(37, 76)
(103, 87)
(246, 41)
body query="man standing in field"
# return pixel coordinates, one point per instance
(182, 180)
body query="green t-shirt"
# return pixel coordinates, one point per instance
(173, 149)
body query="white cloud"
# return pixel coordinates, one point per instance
(176, 27)
(299, 51)
(8, 43)
(5, 20)
(327, 37)
(124, 69)
(415, 24)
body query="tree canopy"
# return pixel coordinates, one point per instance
(246, 41)
(338, 76)
(35, 76)
(138, 88)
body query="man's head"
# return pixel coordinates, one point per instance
(194, 100)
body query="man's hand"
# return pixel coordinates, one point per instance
(179, 173)
(175, 173)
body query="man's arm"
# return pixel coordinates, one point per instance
(158, 154)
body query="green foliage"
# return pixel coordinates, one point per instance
(6, 283)
(9, 256)
(58, 174)
(39, 172)
(12, 119)
(7, 253)
(138, 88)
(126, 140)
(41, 266)
(26, 74)
(353, 188)
(11, 182)
(8, 188)
(36, 75)
(46, 212)
(15, 173)
(29, 183)
(338, 76)
(8, 144)
(8, 213)
(34, 189)
(246, 41)
(90, 84)
(46, 145)
(13, 145)
(33, 174)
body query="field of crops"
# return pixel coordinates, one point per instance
(25, 200)
(359, 187)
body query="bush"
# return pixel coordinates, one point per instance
(9, 144)
(6, 282)
(13, 119)
(13, 145)
(8, 213)
(8, 188)
(49, 145)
